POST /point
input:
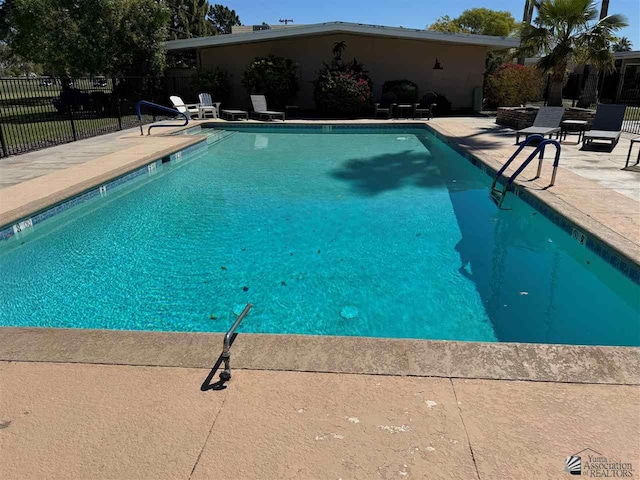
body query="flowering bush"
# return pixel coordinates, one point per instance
(272, 76)
(342, 89)
(512, 85)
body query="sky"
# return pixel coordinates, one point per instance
(408, 13)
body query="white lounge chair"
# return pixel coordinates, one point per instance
(547, 122)
(260, 109)
(208, 106)
(190, 108)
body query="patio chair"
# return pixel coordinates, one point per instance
(260, 109)
(385, 106)
(426, 106)
(190, 109)
(547, 122)
(208, 106)
(607, 125)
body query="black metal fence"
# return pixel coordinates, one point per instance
(41, 112)
(612, 88)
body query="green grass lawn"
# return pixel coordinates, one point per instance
(21, 137)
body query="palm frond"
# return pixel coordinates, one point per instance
(557, 59)
(534, 40)
(566, 16)
(611, 23)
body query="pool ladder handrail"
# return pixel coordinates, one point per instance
(498, 195)
(225, 375)
(164, 109)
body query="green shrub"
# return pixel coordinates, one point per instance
(512, 85)
(214, 81)
(342, 89)
(405, 90)
(274, 77)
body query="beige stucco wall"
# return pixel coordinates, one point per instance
(384, 58)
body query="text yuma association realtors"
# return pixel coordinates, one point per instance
(601, 467)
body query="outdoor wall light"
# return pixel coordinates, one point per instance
(438, 65)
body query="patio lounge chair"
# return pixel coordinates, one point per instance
(208, 106)
(260, 109)
(190, 109)
(547, 122)
(234, 114)
(607, 126)
(385, 106)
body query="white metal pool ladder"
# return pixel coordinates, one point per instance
(225, 375)
(498, 195)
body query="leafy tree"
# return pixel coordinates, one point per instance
(68, 37)
(567, 30)
(222, 18)
(480, 21)
(445, 24)
(12, 65)
(214, 81)
(189, 19)
(622, 44)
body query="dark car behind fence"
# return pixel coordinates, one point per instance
(41, 112)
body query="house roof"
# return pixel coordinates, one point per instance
(343, 27)
(629, 54)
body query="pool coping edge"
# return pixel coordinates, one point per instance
(333, 354)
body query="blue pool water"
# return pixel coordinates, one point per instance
(388, 233)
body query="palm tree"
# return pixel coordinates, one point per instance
(622, 44)
(338, 48)
(568, 31)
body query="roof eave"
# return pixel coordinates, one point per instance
(492, 43)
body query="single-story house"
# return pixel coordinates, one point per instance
(388, 53)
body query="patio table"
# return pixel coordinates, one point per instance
(407, 107)
(573, 126)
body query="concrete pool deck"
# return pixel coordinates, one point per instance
(137, 405)
(129, 405)
(77, 421)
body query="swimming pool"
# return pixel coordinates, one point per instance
(382, 232)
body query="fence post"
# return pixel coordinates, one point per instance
(73, 125)
(119, 114)
(5, 149)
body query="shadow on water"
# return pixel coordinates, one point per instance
(390, 171)
(208, 383)
(524, 269)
